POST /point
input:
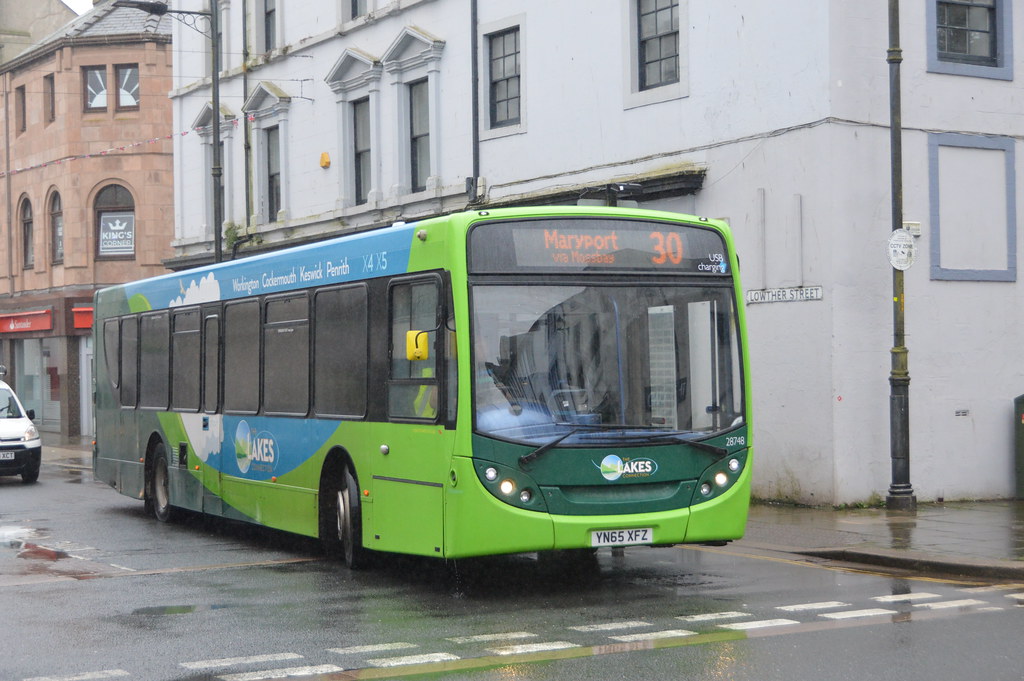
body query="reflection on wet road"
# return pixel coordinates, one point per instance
(84, 572)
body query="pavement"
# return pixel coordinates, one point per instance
(982, 539)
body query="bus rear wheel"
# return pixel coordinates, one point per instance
(158, 494)
(341, 520)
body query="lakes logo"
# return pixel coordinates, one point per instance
(613, 467)
(255, 451)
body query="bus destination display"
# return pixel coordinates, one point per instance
(568, 244)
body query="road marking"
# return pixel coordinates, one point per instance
(965, 603)
(611, 626)
(379, 648)
(902, 598)
(989, 589)
(282, 673)
(87, 676)
(824, 605)
(713, 616)
(532, 648)
(1019, 597)
(757, 624)
(489, 638)
(851, 614)
(412, 659)
(653, 635)
(229, 661)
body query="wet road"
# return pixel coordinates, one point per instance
(91, 588)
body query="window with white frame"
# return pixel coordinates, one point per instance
(655, 51)
(504, 91)
(356, 80)
(419, 135)
(658, 43)
(268, 108)
(413, 63)
(362, 150)
(970, 38)
(272, 137)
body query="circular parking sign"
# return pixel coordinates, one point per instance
(901, 249)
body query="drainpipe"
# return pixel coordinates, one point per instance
(474, 23)
(246, 126)
(7, 177)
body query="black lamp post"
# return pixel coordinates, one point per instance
(216, 171)
(901, 493)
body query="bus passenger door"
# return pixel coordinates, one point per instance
(408, 482)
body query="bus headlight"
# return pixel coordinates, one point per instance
(525, 496)
(507, 487)
(491, 474)
(705, 489)
(734, 465)
(721, 479)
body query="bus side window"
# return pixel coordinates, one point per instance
(412, 391)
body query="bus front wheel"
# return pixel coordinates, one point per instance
(341, 519)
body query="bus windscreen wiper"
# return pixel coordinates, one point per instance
(527, 458)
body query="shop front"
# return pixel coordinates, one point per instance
(47, 349)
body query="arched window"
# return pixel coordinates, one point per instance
(57, 227)
(115, 223)
(28, 249)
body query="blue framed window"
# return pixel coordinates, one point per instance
(970, 38)
(973, 233)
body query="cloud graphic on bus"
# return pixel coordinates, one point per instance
(207, 290)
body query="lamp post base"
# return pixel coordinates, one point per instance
(901, 500)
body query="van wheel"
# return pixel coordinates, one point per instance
(30, 475)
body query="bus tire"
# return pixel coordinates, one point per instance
(341, 523)
(158, 493)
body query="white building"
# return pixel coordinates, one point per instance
(355, 113)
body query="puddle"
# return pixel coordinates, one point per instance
(176, 609)
(14, 537)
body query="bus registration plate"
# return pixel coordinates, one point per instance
(643, 535)
(6, 456)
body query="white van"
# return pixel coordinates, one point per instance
(20, 446)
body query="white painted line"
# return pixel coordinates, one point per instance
(1018, 597)
(989, 589)
(412, 659)
(824, 605)
(851, 614)
(757, 624)
(490, 638)
(230, 661)
(611, 626)
(652, 635)
(713, 616)
(87, 676)
(903, 598)
(292, 672)
(991, 608)
(379, 648)
(532, 648)
(965, 603)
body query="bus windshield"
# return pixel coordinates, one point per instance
(581, 361)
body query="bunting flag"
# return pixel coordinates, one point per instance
(112, 150)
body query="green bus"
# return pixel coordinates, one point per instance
(487, 382)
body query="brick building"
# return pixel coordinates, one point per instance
(86, 189)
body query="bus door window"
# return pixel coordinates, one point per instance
(413, 388)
